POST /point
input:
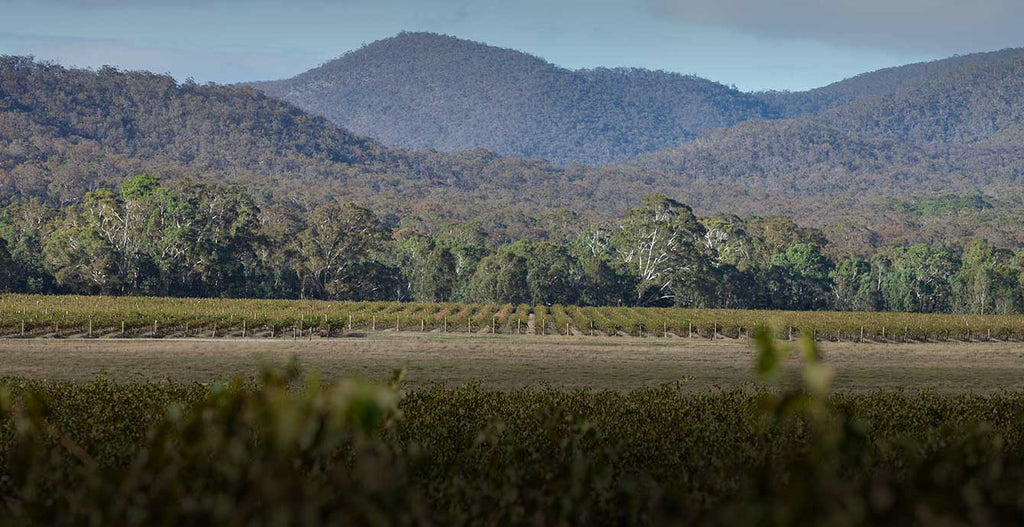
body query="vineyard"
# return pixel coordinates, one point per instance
(140, 317)
(280, 451)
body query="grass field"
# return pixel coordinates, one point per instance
(506, 362)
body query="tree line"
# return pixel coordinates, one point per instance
(186, 238)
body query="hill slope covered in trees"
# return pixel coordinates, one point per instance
(958, 130)
(64, 132)
(423, 90)
(856, 170)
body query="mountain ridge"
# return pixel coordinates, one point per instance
(64, 132)
(425, 90)
(508, 102)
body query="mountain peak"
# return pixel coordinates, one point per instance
(426, 90)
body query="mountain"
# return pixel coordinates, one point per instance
(957, 128)
(883, 82)
(64, 132)
(937, 158)
(953, 127)
(422, 90)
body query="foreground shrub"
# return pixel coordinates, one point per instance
(280, 451)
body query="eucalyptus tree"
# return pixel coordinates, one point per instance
(801, 278)
(204, 239)
(659, 243)
(917, 279)
(987, 281)
(606, 284)
(553, 275)
(24, 226)
(337, 241)
(99, 244)
(467, 244)
(500, 278)
(8, 269)
(427, 268)
(727, 242)
(853, 286)
(772, 235)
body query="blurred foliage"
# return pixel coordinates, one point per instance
(287, 450)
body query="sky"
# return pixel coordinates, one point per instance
(751, 44)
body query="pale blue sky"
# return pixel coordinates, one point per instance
(753, 44)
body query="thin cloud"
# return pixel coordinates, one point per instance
(936, 26)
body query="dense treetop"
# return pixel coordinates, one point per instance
(195, 239)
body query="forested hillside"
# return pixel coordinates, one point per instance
(883, 82)
(958, 130)
(64, 132)
(423, 90)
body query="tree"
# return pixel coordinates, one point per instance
(733, 288)
(276, 253)
(8, 271)
(773, 235)
(917, 279)
(726, 241)
(658, 243)
(24, 226)
(80, 260)
(553, 276)
(436, 282)
(802, 278)
(203, 239)
(466, 242)
(605, 285)
(336, 240)
(986, 282)
(428, 268)
(853, 286)
(500, 278)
